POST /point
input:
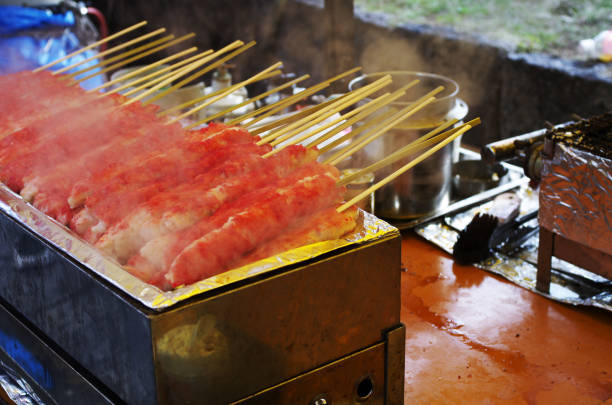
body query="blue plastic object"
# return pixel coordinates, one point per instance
(15, 18)
(19, 51)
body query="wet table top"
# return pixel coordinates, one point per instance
(474, 338)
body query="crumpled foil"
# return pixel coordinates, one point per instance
(576, 197)
(569, 284)
(17, 389)
(369, 228)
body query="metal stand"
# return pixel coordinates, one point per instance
(552, 244)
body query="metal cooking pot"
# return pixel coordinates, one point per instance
(427, 187)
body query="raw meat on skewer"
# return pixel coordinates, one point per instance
(110, 176)
(184, 206)
(241, 232)
(28, 97)
(176, 205)
(152, 177)
(308, 189)
(325, 225)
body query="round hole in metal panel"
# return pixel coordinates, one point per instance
(365, 389)
(321, 400)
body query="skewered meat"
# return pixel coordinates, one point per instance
(126, 145)
(263, 213)
(28, 97)
(325, 225)
(187, 204)
(194, 156)
(131, 156)
(39, 148)
(175, 205)
(243, 231)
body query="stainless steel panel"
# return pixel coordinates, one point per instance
(50, 376)
(356, 379)
(104, 331)
(231, 345)
(395, 365)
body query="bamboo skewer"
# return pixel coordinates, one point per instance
(339, 104)
(292, 117)
(333, 105)
(165, 73)
(271, 109)
(282, 122)
(152, 47)
(168, 79)
(119, 57)
(343, 74)
(182, 71)
(379, 100)
(357, 114)
(137, 57)
(356, 131)
(156, 78)
(428, 139)
(272, 74)
(370, 107)
(236, 44)
(285, 102)
(146, 68)
(281, 104)
(248, 101)
(88, 47)
(205, 70)
(355, 119)
(381, 129)
(111, 50)
(224, 92)
(227, 91)
(411, 147)
(403, 169)
(432, 137)
(212, 94)
(254, 99)
(361, 112)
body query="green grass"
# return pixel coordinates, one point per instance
(552, 26)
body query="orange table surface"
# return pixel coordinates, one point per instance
(475, 338)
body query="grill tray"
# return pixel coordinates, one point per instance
(255, 332)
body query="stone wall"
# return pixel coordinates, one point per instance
(512, 93)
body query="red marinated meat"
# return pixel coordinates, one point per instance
(111, 205)
(309, 182)
(109, 177)
(183, 206)
(236, 234)
(69, 138)
(327, 224)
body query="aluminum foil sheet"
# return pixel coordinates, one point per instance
(576, 197)
(369, 228)
(16, 388)
(569, 284)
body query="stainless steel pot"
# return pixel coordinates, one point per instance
(427, 186)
